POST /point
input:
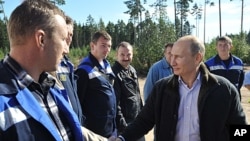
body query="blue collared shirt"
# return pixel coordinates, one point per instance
(157, 71)
(188, 118)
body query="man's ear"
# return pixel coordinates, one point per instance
(199, 57)
(92, 45)
(40, 37)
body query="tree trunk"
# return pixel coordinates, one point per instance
(220, 17)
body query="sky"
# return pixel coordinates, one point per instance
(113, 10)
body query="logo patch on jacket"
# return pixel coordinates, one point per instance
(63, 77)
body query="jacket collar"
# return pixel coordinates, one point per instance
(206, 76)
(209, 82)
(165, 63)
(29, 104)
(119, 66)
(218, 60)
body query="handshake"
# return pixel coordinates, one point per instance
(113, 138)
(91, 136)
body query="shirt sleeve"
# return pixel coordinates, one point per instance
(82, 84)
(247, 78)
(152, 77)
(120, 120)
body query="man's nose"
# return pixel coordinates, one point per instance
(172, 61)
(125, 58)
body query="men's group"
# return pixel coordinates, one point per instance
(44, 97)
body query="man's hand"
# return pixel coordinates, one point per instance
(112, 138)
(118, 139)
(91, 136)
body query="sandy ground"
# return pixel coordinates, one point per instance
(245, 103)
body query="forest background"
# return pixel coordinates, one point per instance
(148, 33)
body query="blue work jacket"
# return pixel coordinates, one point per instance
(22, 117)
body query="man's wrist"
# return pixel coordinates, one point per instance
(121, 137)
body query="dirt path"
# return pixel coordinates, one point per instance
(245, 94)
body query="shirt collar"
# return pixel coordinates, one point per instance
(165, 64)
(197, 80)
(22, 77)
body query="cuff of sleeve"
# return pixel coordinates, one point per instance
(121, 137)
